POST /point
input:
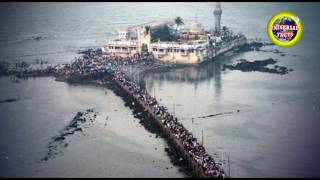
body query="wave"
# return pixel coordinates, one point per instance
(4, 42)
(16, 37)
(34, 55)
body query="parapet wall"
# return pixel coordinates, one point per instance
(197, 170)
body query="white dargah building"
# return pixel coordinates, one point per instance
(194, 44)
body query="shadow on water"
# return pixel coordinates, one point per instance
(192, 74)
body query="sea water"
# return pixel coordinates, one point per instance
(270, 123)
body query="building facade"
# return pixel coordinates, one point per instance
(194, 45)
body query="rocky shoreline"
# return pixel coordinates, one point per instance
(259, 66)
(58, 142)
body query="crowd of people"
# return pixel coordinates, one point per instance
(189, 143)
(96, 62)
(91, 63)
(23, 69)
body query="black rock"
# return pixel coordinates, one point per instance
(59, 138)
(258, 65)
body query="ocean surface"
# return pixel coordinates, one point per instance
(269, 125)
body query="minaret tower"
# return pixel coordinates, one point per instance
(217, 16)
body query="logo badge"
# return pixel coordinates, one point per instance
(284, 29)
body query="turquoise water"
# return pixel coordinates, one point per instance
(274, 134)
